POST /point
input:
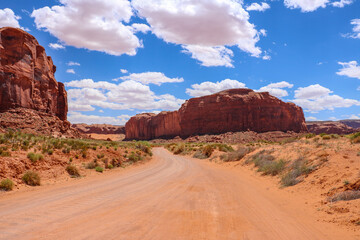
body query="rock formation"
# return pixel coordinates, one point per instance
(330, 127)
(28, 85)
(99, 128)
(232, 110)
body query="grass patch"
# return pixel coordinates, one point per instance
(99, 169)
(34, 157)
(31, 178)
(6, 185)
(297, 168)
(236, 155)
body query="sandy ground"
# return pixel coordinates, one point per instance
(113, 137)
(170, 197)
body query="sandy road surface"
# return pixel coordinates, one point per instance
(172, 197)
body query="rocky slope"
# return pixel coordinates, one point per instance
(28, 89)
(99, 128)
(232, 110)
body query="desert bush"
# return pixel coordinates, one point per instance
(4, 152)
(297, 168)
(179, 148)
(91, 165)
(100, 156)
(326, 137)
(208, 150)
(72, 171)
(236, 155)
(144, 146)
(272, 167)
(310, 135)
(99, 169)
(110, 166)
(199, 154)
(345, 196)
(135, 157)
(224, 147)
(34, 157)
(6, 185)
(290, 179)
(31, 178)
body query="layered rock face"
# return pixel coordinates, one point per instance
(99, 128)
(232, 110)
(27, 75)
(30, 97)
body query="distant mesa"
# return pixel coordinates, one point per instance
(334, 127)
(99, 128)
(30, 97)
(233, 110)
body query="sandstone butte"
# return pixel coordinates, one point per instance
(30, 97)
(233, 110)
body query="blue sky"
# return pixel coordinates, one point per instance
(118, 58)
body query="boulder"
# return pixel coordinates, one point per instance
(231, 110)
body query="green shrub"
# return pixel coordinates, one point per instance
(31, 178)
(99, 169)
(34, 157)
(310, 135)
(72, 171)
(110, 166)
(289, 179)
(91, 165)
(180, 148)
(6, 185)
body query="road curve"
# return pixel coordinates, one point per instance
(173, 197)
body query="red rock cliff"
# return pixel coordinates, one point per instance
(27, 75)
(232, 110)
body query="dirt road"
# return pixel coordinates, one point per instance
(172, 197)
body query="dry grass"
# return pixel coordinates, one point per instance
(345, 196)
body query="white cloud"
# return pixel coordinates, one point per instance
(71, 63)
(139, 27)
(342, 3)
(311, 119)
(8, 18)
(56, 46)
(98, 26)
(350, 69)
(210, 56)
(312, 92)
(200, 23)
(353, 116)
(315, 98)
(276, 89)
(76, 117)
(127, 95)
(156, 78)
(306, 5)
(258, 7)
(207, 88)
(123, 71)
(72, 71)
(358, 88)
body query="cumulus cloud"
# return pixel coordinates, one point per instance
(123, 71)
(276, 89)
(306, 5)
(140, 27)
(258, 7)
(77, 117)
(156, 78)
(210, 56)
(207, 88)
(71, 63)
(192, 24)
(342, 3)
(72, 71)
(56, 46)
(356, 29)
(311, 118)
(99, 26)
(129, 94)
(350, 69)
(8, 18)
(315, 98)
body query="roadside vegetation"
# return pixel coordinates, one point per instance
(71, 156)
